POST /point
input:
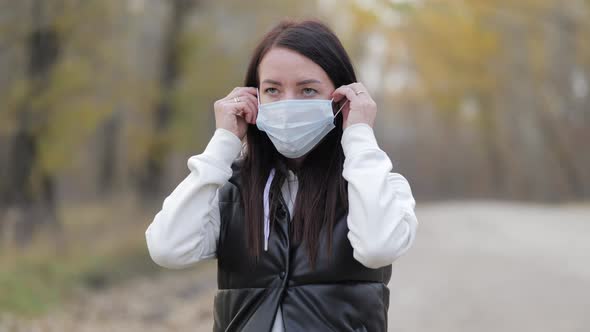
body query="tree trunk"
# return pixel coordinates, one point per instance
(31, 190)
(151, 180)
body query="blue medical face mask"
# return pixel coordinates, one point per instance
(296, 126)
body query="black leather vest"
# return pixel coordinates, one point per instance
(340, 295)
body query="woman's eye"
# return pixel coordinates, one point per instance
(309, 92)
(271, 91)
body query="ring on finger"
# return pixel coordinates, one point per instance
(237, 99)
(359, 92)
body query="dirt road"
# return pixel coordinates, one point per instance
(478, 266)
(495, 267)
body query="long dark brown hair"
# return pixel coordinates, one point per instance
(322, 190)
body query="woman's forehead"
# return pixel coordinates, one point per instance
(284, 66)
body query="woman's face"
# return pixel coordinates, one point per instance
(286, 74)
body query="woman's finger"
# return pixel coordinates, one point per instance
(360, 90)
(241, 91)
(248, 109)
(253, 102)
(248, 103)
(344, 91)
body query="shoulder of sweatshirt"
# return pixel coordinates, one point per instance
(359, 143)
(221, 151)
(358, 137)
(228, 151)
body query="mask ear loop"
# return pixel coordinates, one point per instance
(341, 107)
(258, 96)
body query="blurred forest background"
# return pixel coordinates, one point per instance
(102, 103)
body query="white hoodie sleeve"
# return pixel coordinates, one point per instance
(381, 219)
(186, 229)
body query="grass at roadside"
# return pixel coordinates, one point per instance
(99, 250)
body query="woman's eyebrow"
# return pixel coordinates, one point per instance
(271, 82)
(308, 81)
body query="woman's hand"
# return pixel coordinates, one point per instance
(237, 110)
(360, 109)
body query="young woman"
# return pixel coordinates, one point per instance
(306, 218)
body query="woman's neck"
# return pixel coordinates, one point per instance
(295, 163)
